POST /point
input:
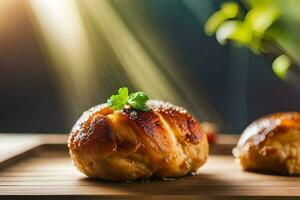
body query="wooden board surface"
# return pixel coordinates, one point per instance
(47, 170)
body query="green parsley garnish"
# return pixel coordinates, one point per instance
(136, 100)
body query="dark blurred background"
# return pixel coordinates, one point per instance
(60, 57)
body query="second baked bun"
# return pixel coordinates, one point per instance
(271, 144)
(163, 142)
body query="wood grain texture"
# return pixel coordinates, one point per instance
(14, 147)
(48, 171)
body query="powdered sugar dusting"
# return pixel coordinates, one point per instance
(86, 115)
(158, 105)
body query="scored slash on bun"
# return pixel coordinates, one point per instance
(271, 144)
(164, 142)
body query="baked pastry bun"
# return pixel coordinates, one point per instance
(163, 142)
(271, 144)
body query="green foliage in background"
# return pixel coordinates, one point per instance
(264, 26)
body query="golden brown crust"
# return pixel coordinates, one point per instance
(126, 145)
(271, 144)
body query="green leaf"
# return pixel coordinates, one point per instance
(138, 101)
(266, 26)
(228, 10)
(281, 65)
(123, 92)
(261, 17)
(118, 101)
(253, 3)
(234, 30)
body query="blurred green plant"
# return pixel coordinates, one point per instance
(266, 27)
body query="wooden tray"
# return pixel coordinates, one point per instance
(46, 170)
